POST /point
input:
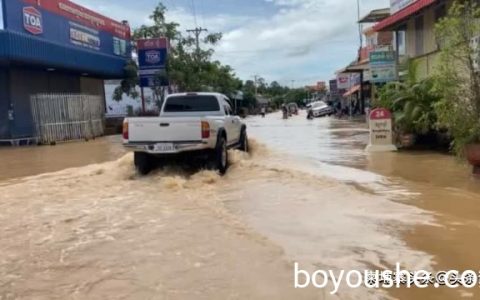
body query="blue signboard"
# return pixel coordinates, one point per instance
(152, 61)
(68, 24)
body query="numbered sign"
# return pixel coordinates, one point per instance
(381, 137)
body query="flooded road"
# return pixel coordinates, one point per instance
(308, 193)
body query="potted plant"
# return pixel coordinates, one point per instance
(459, 79)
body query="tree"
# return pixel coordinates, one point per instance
(296, 96)
(458, 74)
(275, 89)
(188, 68)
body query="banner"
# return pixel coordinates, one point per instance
(66, 23)
(343, 81)
(333, 88)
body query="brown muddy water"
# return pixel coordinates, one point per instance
(78, 223)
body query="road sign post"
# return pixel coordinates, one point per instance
(381, 137)
(152, 61)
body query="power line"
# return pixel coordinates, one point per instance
(194, 11)
(202, 12)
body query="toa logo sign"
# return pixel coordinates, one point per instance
(32, 20)
(153, 57)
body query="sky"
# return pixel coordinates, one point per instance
(295, 42)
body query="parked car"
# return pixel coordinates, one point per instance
(192, 124)
(321, 109)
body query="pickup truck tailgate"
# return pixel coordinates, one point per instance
(165, 129)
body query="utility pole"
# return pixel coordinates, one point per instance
(256, 86)
(293, 84)
(360, 29)
(197, 31)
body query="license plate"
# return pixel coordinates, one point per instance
(164, 147)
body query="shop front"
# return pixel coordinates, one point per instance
(54, 46)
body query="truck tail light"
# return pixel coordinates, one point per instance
(125, 130)
(205, 130)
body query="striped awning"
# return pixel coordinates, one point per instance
(400, 16)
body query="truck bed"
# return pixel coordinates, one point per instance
(161, 129)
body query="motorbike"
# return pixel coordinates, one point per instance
(310, 115)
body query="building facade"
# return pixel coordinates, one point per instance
(54, 46)
(413, 22)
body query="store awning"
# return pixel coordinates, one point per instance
(352, 90)
(28, 50)
(355, 68)
(389, 23)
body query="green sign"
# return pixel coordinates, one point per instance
(383, 66)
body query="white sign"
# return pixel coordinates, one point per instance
(381, 137)
(343, 81)
(396, 5)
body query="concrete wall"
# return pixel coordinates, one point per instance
(429, 38)
(410, 38)
(92, 86)
(428, 59)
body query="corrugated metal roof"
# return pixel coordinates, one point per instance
(24, 48)
(376, 15)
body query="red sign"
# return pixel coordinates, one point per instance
(158, 43)
(380, 114)
(32, 20)
(82, 15)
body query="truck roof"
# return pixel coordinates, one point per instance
(198, 93)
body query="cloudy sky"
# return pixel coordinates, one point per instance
(284, 40)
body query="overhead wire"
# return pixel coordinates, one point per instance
(194, 11)
(202, 12)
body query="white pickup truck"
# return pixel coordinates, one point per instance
(190, 124)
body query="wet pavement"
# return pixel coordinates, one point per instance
(307, 194)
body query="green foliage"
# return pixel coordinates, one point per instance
(458, 77)
(192, 69)
(188, 68)
(412, 102)
(296, 95)
(127, 85)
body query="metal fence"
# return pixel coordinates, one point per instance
(64, 117)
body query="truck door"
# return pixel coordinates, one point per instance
(229, 124)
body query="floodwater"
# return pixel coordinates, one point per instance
(78, 223)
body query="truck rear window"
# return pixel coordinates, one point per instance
(191, 104)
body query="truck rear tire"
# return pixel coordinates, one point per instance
(219, 160)
(244, 141)
(143, 162)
